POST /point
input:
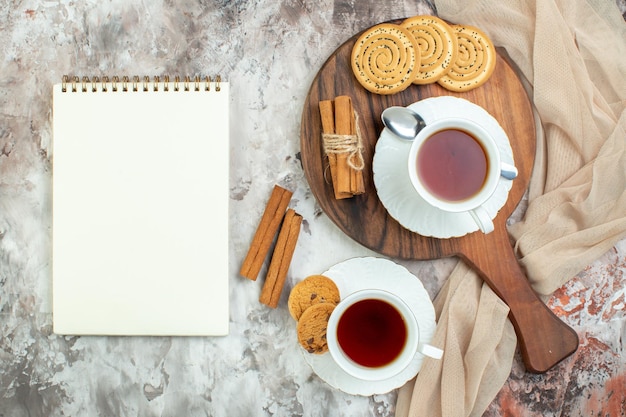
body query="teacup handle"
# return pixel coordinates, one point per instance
(482, 219)
(430, 351)
(508, 171)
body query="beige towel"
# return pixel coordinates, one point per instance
(573, 55)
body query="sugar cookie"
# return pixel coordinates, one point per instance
(314, 289)
(437, 43)
(475, 61)
(385, 58)
(312, 327)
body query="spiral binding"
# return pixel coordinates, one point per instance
(94, 84)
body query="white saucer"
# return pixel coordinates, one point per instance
(366, 273)
(394, 188)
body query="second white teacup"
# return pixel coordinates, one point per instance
(373, 335)
(454, 164)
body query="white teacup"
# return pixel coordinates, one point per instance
(454, 164)
(373, 335)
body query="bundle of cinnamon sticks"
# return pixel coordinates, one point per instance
(276, 215)
(342, 145)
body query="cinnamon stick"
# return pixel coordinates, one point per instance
(349, 180)
(281, 259)
(266, 231)
(343, 126)
(327, 113)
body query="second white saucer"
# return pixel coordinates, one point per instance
(376, 273)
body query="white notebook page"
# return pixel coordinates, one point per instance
(140, 212)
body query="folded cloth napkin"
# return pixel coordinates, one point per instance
(571, 53)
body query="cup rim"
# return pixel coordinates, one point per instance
(386, 371)
(486, 140)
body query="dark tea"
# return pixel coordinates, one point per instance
(372, 333)
(452, 165)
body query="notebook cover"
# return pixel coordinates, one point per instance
(140, 212)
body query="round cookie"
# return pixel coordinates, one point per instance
(475, 62)
(314, 289)
(312, 328)
(385, 58)
(437, 43)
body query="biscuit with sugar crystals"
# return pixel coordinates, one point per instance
(314, 289)
(385, 58)
(312, 328)
(437, 44)
(475, 61)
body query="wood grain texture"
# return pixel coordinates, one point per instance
(544, 339)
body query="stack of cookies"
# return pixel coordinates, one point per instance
(310, 303)
(387, 58)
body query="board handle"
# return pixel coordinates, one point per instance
(544, 339)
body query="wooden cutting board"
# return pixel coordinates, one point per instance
(544, 339)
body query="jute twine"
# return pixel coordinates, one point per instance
(350, 144)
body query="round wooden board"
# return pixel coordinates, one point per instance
(363, 217)
(544, 339)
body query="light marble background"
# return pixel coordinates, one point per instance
(269, 51)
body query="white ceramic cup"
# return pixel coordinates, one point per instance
(474, 203)
(411, 346)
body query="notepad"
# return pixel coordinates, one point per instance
(140, 207)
